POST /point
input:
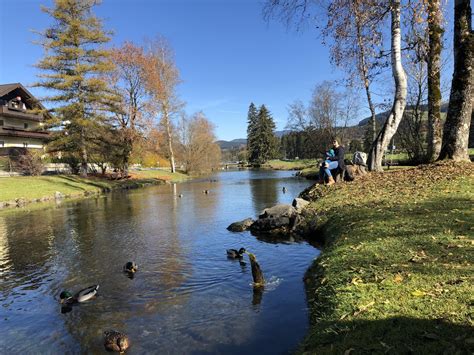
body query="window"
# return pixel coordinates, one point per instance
(25, 145)
(1, 122)
(2, 144)
(25, 125)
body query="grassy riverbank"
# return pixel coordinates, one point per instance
(277, 164)
(396, 272)
(21, 190)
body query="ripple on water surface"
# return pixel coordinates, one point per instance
(187, 296)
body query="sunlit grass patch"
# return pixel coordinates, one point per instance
(396, 274)
(159, 174)
(299, 164)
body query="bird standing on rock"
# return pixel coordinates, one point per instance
(116, 341)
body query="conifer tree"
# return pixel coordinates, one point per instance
(252, 117)
(72, 70)
(264, 142)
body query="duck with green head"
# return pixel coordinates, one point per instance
(235, 254)
(80, 296)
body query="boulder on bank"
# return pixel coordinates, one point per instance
(299, 204)
(276, 219)
(277, 211)
(241, 225)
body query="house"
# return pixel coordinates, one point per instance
(21, 122)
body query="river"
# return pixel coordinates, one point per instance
(186, 298)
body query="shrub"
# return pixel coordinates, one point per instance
(29, 163)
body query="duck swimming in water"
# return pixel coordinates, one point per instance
(81, 296)
(116, 341)
(130, 267)
(236, 254)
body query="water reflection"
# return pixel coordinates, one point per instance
(265, 190)
(187, 297)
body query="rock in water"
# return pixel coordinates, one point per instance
(241, 226)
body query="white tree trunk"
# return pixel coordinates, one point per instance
(399, 103)
(169, 139)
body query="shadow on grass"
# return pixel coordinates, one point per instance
(397, 335)
(426, 245)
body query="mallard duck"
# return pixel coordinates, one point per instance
(205, 191)
(180, 195)
(130, 267)
(81, 296)
(116, 341)
(257, 274)
(234, 253)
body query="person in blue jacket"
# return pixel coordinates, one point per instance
(331, 163)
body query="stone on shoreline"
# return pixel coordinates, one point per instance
(276, 219)
(241, 225)
(299, 204)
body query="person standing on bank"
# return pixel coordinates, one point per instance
(332, 163)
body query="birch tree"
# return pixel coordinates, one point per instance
(354, 29)
(162, 79)
(458, 120)
(200, 152)
(391, 124)
(128, 81)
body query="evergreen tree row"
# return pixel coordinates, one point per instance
(262, 143)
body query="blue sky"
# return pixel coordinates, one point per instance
(227, 54)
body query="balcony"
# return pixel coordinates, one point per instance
(15, 132)
(19, 113)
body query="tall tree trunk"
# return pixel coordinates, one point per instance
(83, 152)
(458, 120)
(169, 139)
(399, 103)
(363, 69)
(434, 78)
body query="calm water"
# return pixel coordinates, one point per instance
(187, 296)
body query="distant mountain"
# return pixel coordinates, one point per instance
(382, 116)
(235, 143)
(239, 142)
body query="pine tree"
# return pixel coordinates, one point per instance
(264, 146)
(73, 66)
(252, 118)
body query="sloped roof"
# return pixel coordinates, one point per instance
(5, 89)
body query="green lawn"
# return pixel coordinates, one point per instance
(35, 187)
(159, 174)
(278, 164)
(396, 274)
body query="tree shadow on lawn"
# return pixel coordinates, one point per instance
(434, 231)
(89, 181)
(396, 335)
(372, 247)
